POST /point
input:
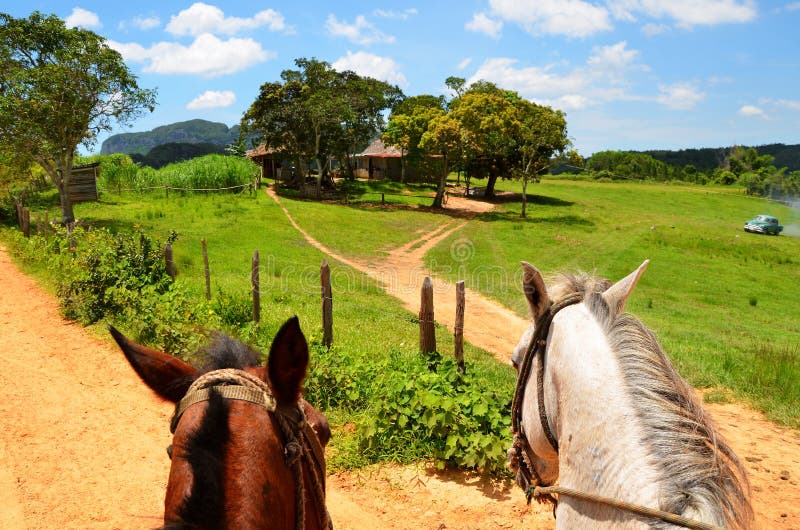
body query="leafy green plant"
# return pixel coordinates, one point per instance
(443, 414)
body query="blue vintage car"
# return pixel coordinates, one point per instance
(763, 224)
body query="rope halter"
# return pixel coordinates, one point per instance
(299, 438)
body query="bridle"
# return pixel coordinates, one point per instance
(300, 440)
(521, 456)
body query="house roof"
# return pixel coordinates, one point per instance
(259, 151)
(378, 150)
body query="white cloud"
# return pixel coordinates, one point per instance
(464, 63)
(687, 13)
(360, 32)
(207, 56)
(367, 64)
(536, 83)
(211, 99)
(682, 96)
(202, 18)
(651, 29)
(794, 6)
(402, 15)
(789, 104)
(751, 111)
(572, 18)
(145, 23)
(81, 18)
(481, 23)
(614, 60)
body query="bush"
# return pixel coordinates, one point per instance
(93, 262)
(443, 414)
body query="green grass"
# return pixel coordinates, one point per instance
(697, 294)
(370, 327)
(363, 227)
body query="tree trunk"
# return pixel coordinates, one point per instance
(523, 213)
(402, 166)
(439, 199)
(489, 193)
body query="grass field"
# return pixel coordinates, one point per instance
(723, 302)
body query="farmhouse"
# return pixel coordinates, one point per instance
(379, 161)
(268, 160)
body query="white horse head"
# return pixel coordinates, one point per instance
(617, 420)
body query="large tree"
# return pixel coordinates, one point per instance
(407, 123)
(316, 112)
(541, 133)
(61, 87)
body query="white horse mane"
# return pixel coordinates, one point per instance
(699, 470)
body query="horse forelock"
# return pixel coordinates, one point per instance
(226, 352)
(701, 474)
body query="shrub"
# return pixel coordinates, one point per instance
(443, 414)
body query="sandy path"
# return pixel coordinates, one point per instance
(771, 453)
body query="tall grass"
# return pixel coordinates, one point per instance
(206, 172)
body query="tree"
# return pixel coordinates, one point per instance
(316, 113)
(542, 132)
(404, 130)
(60, 88)
(488, 120)
(445, 138)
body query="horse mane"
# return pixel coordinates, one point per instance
(701, 473)
(204, 507)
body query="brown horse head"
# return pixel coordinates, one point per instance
(247, 450)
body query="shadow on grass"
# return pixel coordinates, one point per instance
(542, 200)
(560, 220)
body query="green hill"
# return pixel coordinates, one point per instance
(709, 158)
(187, 132)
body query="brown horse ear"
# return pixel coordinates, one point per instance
(288, 362)
(535, 290)
(167, 376)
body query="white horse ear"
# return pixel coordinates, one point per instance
(616, 295)
(535, 291)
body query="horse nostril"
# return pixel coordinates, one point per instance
(169, 451)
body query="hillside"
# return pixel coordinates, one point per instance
(709, 158)
(190, 132)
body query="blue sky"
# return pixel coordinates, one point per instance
(630, 74)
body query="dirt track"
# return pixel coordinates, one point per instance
(83, 441)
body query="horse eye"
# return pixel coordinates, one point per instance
(169, 451)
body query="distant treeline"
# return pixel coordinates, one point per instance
(710, 158)
(759, 173)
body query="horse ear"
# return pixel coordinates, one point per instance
(288, 362)
(535, 290)
(167, 376)
(616, 295)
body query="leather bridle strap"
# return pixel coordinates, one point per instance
(527, 476)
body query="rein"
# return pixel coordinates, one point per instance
(521, 457)
(300, 440)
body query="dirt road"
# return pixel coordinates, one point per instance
(82, 443)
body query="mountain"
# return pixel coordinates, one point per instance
(187, 132)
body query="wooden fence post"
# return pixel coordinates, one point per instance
(168, 261)
(427, 333)
(327, 304)
(205, 268)
(458, 330)
(256, 290)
